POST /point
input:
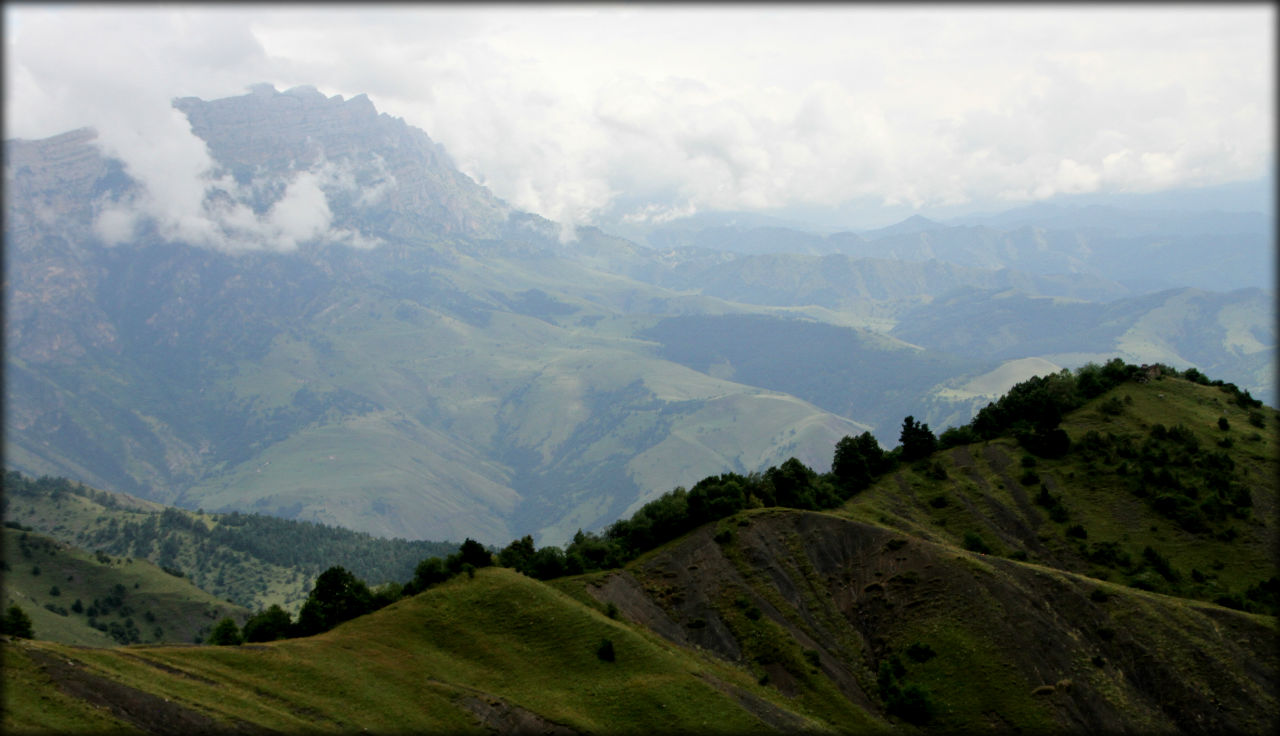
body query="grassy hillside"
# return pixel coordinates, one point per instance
(251, 560)
(495, 652)
(845, 617)
(76, 597)
(1120, 578)
(1124, 487)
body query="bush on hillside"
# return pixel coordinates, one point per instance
(269, 625)
(16, 623)
(338, 596)
(226, 633)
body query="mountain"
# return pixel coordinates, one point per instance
(250, 560)
(360, 335)
(96, 599)
(1103, 608)
(1231, 334)
(459, 379)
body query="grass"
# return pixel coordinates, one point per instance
(1095, 496)
(408, 668)
(75, 520)
(33, 705)
(156, 599)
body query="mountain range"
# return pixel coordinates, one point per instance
(412, 357)
(1121, 580)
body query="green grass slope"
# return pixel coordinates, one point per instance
(119, 599)
(252, 560)
(495, 652)
(847, 618)
(1124, 487)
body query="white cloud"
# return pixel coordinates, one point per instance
(569, 111)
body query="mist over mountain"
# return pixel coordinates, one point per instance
(339, 326)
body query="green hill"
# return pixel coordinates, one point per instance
(252, 560)
(80, 598)
(1094, 565)
(843, 616)
(497, 652)
(1149, 469)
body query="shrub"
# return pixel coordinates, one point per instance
(1223, 424)
(16, 623)
(226, 633)
(268, 625)
(939, 501)
(911, 703)
(1112, 407)
(337, 596)
(921, 652)
(1160, 564)
(605, 651)
(1077, 531)
(974, 543)
(811, 656)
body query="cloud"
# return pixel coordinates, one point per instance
(573, 112)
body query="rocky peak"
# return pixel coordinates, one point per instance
(280, 133)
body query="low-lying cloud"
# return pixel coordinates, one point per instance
(648, 113)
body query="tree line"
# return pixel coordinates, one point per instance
(1031, 411)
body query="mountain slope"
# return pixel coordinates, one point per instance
(252, 560)
(1230, 335)
(830, 610)
(497, 652)
(988, 610)
(88, 599)
(1152, 493)
(417, 360)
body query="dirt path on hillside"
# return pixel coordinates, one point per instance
(151, 713)
(502, 717)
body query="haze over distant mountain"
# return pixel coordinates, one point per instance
(354, 332)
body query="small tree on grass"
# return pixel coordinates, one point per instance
(605, 650)
(268, 625)
(226, 633)
(338, 596)
(16, 623)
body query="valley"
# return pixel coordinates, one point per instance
(434, 364)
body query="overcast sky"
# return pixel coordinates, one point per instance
(580, 111)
